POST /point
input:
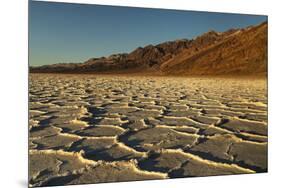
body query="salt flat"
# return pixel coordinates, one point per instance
(107, 128)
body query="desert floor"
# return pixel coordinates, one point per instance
(93, 128)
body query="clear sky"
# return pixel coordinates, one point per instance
(63, 32)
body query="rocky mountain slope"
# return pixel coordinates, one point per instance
(234, 52)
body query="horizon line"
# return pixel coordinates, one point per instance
(153, 44)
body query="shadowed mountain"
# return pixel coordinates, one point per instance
(234, 52)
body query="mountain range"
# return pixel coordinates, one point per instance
(234, 52)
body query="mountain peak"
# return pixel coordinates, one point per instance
(235, 51)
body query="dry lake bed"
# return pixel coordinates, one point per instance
(93, 128)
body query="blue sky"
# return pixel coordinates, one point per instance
(63, 32)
